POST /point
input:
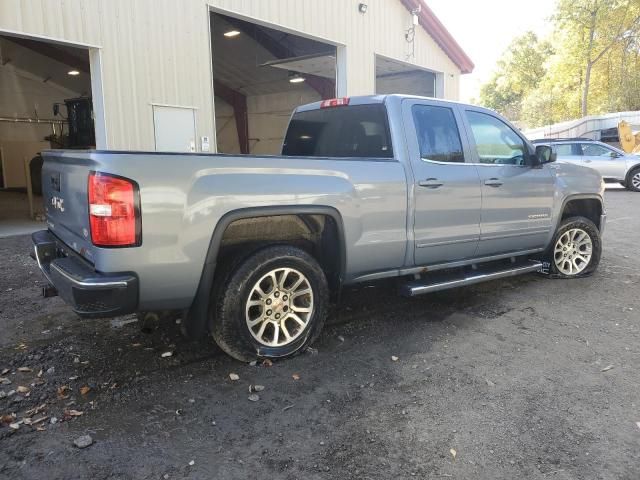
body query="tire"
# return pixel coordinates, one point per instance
(633, 183)
(275, 332)
(572, 254)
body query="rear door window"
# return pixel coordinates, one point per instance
(353, 131)
(438, 134)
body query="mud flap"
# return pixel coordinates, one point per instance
(546, 271)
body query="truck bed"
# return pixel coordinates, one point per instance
(184, 196)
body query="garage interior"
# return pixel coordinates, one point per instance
(397, 77)
(35, 78)
(260, 75)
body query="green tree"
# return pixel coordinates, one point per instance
(596, 27)
(617, 77)
(593, 67)
(518, 72)
(557, 96)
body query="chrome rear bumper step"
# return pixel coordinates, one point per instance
(439, 282)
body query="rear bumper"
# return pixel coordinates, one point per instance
(91, 294)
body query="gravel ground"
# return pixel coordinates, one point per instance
(524, 378)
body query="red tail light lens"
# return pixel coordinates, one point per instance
(114, 211)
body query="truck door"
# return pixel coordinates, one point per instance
(445, 188)
(517, 196)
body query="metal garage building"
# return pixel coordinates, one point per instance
(209, 75)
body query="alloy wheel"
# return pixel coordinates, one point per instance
(572, 251)
(279, 307)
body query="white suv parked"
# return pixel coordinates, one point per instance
(614, 165)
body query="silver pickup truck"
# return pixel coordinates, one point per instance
(252, 248)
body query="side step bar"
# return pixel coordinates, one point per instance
(444, 282)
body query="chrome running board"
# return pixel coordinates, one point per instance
(439, 282)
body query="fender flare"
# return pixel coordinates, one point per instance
(579, 196)
(196, 317)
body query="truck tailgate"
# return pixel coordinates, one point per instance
(64, 188)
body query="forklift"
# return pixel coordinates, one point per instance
(81, 134)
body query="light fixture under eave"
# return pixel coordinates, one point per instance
(73, 73)
(296, 78)
(232, 33)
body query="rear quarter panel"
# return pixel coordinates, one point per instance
(184, 195)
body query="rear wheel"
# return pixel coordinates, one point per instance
(576, 248)
(633, 183)
(271, 305)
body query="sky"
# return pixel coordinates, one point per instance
(484, 29)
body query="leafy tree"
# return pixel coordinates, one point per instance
(598, 26)
(518, 72)
(592, 67)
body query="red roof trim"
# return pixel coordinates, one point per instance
(441, 35)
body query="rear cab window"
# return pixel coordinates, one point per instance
(360, 131)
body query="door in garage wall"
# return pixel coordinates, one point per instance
(175, 128)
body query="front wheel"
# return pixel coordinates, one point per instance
(576, 248)
(271, 305)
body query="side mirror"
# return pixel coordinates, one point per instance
(615, 155)
(545, 154)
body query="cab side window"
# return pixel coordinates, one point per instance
(438, 134)
(496, 142)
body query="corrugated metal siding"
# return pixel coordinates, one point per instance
(157, 51)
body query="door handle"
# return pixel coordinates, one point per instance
(430, 183)
(493, 182)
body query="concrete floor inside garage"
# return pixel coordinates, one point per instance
(14, 214)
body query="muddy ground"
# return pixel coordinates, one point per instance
(523, 378)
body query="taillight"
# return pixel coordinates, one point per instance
(114, 211)
(335, 102)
